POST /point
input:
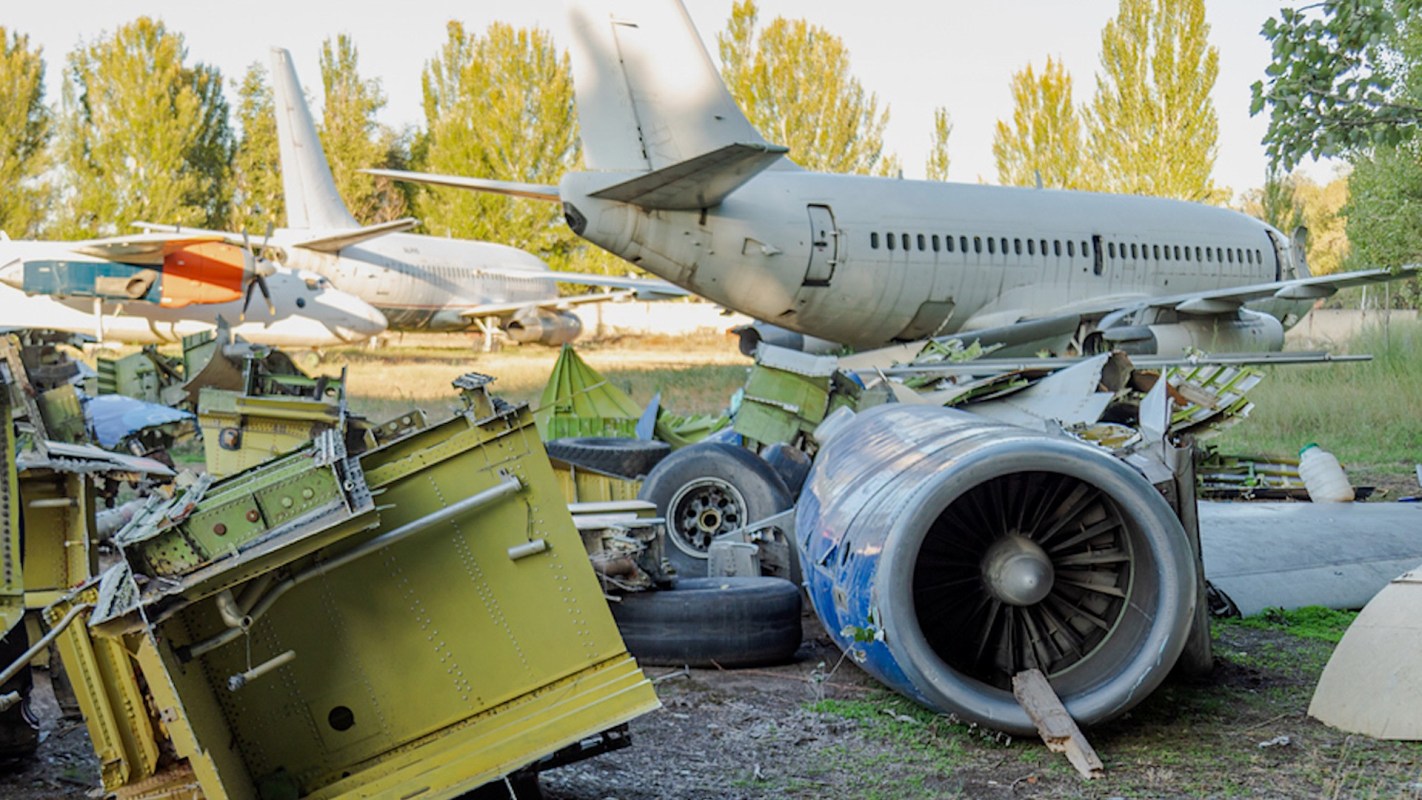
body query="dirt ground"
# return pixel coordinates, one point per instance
(781, 733)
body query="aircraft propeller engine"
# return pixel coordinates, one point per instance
(255, 271)
(949, 553)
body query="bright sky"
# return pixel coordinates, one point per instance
(915, 54)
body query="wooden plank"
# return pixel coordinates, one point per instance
(1058, 730)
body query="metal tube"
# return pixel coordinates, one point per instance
(508, 486)
(19, 664)
(243, 678)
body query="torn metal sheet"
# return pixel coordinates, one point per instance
(798, 362)
(1077, 395)
(1373, 682)
(1288, 555)
(86, 458)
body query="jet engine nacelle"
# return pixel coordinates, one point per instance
(755, 333)
(1244, 331)
(952, 553)
(543, 326)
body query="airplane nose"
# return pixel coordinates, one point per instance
(13, 274)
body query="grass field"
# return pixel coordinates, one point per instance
(1368, 414)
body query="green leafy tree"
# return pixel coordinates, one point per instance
(1153, 128)
(1277, 202)
(354, 140)
(936, 168)
(256, 168)
(143, 136)
(793, 81)
(501, 105)
(1045, 138)
(1339, 79)
(1384, 211)
(24, 136)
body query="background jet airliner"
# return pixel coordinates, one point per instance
(682, 185)
(417, 282)
(156, 288)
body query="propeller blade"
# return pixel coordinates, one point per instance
(261, 283)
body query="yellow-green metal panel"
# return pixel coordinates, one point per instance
(12, 583)
(441, 642)
(109, 696)
(58, 553)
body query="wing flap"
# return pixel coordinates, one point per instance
(699, 182)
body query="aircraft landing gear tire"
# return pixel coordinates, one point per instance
(712, 622)
(709, 489)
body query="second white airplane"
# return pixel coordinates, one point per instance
(680, 184)
(420, 283)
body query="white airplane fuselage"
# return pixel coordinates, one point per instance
(865, 261)
(425, 282)
(309, 312)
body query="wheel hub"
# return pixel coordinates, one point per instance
(1017, 571)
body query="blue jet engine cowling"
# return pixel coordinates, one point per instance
(949, 553)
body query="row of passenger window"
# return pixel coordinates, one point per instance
(896, 241)
(995, 245)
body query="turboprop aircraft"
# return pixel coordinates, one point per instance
(155, 288)
(679, 183)
(417, 282)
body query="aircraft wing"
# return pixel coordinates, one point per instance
(552, 304)
(148, 249)
(643, 288)
(1224, 301)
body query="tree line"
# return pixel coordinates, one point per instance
(142, 132)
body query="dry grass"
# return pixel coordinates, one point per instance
(694, 374)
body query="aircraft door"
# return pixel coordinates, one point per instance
(824, 247)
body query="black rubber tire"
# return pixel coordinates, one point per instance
(716, 488)
(711, 622)
(790, 463)
(628, 458)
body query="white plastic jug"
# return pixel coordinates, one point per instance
(1323, 476)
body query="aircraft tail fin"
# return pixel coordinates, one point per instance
(648, 94)
(311, 197)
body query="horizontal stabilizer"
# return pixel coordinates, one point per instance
(536, 191)
(334, 242)
(699, 182)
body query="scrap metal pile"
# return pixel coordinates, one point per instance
(412, 608)
(426, 607)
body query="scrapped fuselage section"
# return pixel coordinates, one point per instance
(409, 617)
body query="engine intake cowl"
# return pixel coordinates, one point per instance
(543, 326)
(973, 550)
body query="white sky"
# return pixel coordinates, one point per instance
(915, 54)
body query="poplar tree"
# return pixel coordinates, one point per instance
(1045, 138)
(1153, 128)
(500, 106)
(142, 135)
(936, 168)
(257, 199)
(24, 137)
(352, 138)
(793, 81)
